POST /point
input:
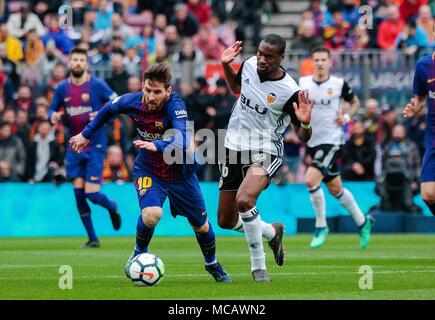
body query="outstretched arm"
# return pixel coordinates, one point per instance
(227, 58)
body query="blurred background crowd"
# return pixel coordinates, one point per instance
(124, 37)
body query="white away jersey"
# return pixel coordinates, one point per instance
(262, 112)
(326, 99)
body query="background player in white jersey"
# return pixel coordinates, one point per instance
(328, 117)
(269, 100)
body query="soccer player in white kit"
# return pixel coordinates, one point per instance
(328, 118)
(269, 101)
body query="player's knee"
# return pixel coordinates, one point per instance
(429, 197)
(310, 181)
(224, 222)
(334, 190)
(92, 196)
(151, 216)
(245, 202)
(202, 229)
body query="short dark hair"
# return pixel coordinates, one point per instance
(4, 123)
(78, 50)
(158, 72)
(320, 49)
(277, 41)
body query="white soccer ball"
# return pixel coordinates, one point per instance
(146, 269)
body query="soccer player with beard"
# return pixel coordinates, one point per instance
(77, 99)
(160, 118)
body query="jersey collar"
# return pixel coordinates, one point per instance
(265, 78)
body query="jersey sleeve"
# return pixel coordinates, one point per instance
(112, 108)
(289, 109)
(347, 93)
(178, 116)
(420, 88)
(56, 102)
(239, 74)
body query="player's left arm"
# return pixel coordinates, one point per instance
(350, 108)
(299, 107)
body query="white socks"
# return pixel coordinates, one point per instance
(348, 201)
(317, 198)
(267, 229)
(253, 232)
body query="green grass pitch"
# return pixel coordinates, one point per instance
(403, 268)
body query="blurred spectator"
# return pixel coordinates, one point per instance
(41, 115)
(161, 55)
(318, 10)
(412, 39)
(134, 84)
(32, 71)
(160, 24)
(132, 61)
(188, 63)
(371, 117)
(87, 32)
(117, 45)
(351, 12)
(338, 34)
(388, 121)
(12, 153)
(14, 52)
(6, 173)
(4, 11)
(208, 43)
(10, 116)
(118, 27)
(58, 74)
(200, 107)
(53, 57)
(115, 169)
(42, 8)
(104, 15)
(119, 79)
(223, 31)
(409, 8)
(60, 37)
(307, 38)
(416, 128)
(425, 19)
(145, 42)
(6, 87)
(23, 126)
(201, 9)
(223, 101)
(23, 21)
(172, 41)
(103, 55)
(44, 157)
(24, 100)
(390, 29)
(359, 155)
(187, 24)
(359, 40)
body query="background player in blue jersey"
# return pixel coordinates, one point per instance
(424, 91)
(160, 118)
(77, 100)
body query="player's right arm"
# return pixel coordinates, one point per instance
(416, 105)
(54, 115)
(112, 108)
(227, 58)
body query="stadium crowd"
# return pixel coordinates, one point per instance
(127, 36)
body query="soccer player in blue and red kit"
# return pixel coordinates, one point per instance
(160, 118)
(424, 91)
(81, 96)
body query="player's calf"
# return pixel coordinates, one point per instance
(428, 196)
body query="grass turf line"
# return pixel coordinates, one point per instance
(403, 266)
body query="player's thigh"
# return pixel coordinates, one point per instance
(151, 194)
(255, 181)
(186, 199)
(227, 210)
(313, 177)
(94, 167)
(92, 187)
(75, 166)
(428, 191)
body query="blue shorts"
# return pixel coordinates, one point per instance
(88, 165)
(428, 166)
(185, 197)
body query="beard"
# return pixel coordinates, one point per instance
(77, 73)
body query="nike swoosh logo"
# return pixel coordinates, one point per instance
(431, 80)
(94, 178)
(148, 274)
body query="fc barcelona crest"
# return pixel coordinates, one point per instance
(85, 97)
(159, 125)
(271, 98)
